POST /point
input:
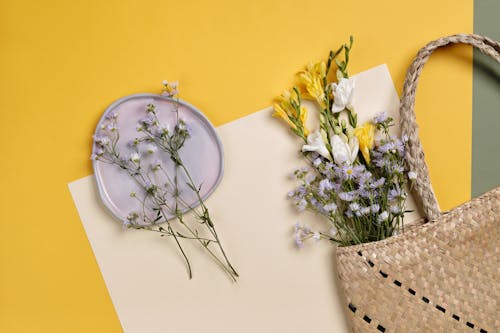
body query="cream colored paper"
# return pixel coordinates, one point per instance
(281, 289)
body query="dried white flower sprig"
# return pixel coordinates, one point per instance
(160, 190)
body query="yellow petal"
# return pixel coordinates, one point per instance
(365, 135)
(303, 119)
(280, 113)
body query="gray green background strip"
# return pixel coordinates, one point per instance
(486, 103)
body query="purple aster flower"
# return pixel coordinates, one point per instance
(378, 183)
(354, 206)
(301, 190)
(397, 169)
(365, 211)
(387, 147)
(395, 194)
(331, 207)
(325, 185)
(310, 178)
(347, 196)
(302, 205)
(380, 118)
(375, 208)
(383, 216)
(395, 209)
(364, 177)
(299, 242)
(381, 163)
(363, 192)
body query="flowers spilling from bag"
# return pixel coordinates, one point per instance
(357, 175)
(160, 189)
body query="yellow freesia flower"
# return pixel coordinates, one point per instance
(283, 108)
(312, 78)
(303, 119)
(280, 113)
(365, 135)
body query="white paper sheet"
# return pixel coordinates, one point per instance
(281, 288)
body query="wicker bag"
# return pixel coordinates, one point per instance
(441, 276)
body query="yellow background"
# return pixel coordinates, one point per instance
(63, 62)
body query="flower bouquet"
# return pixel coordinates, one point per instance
(357, 176)
(425, 279)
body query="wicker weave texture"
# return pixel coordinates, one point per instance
(438, 277)
(441, 276)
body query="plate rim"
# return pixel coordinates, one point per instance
(202, 117)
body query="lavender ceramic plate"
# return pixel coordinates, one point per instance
(202, 154)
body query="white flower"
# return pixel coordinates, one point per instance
(316, 236)
(134, 157)
(151, 148)
(315, 143)
(412, 175)
(343, 94)
(383, 216)
(344, 152)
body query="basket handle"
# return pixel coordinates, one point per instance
(414, 154)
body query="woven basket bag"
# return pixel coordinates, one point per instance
(439, 276)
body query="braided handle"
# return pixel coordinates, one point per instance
(414, 153)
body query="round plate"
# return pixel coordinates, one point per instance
(202, 154)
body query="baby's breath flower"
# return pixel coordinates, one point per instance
(412, 175)
(132, 216)
(102, 140)
(111, 115)
(112, 127)
(156, 165)
(134, 157)
(151, 148)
